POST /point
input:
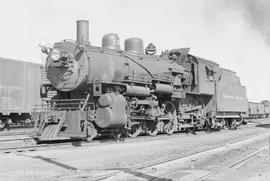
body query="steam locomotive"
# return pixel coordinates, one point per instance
(107, 90)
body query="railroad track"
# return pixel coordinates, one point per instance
(14, 133)
(233, 165)
(29, 144)
(137, 170)
(15, 143)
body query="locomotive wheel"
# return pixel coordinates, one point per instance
(133, 131)
(91, 131)
(151, 128)
(170, 110)
(169, 127)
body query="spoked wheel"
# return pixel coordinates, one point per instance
(170, 110)
(134, 130)
(151, 128)
(169, 127)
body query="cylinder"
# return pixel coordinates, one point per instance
(134, 45)
(163, 88)
(113, 116)
(105, 100)
(83, 32)
(137, 91)
(111, 41)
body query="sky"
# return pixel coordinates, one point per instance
(235, 34)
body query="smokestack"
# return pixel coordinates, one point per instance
(83, 32)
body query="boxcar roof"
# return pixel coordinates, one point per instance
(17, 61)
(254, 102)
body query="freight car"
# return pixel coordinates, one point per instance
(258, 110)
(19, 91)
(255, 110)
(106, 90)
(266, 104)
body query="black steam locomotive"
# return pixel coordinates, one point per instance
(107, 90)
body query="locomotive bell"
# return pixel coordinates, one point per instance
(134, 45)
(111, 41)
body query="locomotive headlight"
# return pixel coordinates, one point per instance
(55, 54)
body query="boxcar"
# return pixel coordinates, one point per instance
(266, 104)
(19, 90)
(256, 110)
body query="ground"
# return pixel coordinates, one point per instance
(132, 159)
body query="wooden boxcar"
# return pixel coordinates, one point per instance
(256, 110)
(266, 104)
(19, 90)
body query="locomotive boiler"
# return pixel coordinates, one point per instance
(107, 90)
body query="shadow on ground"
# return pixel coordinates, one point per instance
(136, 173)
(263, 125)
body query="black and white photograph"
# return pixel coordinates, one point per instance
(134, 90)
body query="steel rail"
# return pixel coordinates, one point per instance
(69, 142)
(232, 165)
(81, 143)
